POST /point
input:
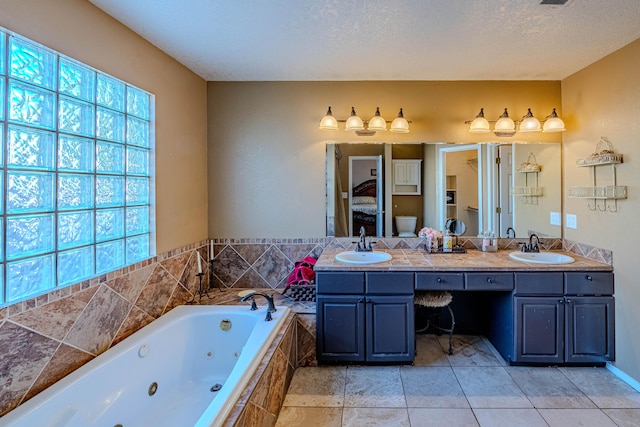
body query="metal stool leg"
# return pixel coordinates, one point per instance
(453, 324)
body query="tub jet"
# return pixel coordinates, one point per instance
(153, 388)
(216, 387)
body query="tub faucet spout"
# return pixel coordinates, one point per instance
(271, 308)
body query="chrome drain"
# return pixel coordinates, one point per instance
(216, 387)
(153, 388)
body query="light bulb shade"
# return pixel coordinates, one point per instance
(480, 124)
(377, 122)
(529, 123)
(553, 123)
(504, 123)
(354, 122)
(399, 124)
(328, 122)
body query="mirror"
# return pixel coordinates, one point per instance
(484, 186)
(456, 227)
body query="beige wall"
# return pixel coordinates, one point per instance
(267, 156)
(80, 30)
(604, 100)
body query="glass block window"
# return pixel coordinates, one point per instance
(77, 165)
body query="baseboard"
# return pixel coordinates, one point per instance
(623, 376)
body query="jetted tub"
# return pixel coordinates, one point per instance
(185, 369)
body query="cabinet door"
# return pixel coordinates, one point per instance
(340, 328)
(539, 329)
(390, 329)
(589, 329)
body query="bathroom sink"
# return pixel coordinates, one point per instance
(542, 257)
(353, 257)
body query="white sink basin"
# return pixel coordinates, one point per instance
(353, 257)
(542, 257)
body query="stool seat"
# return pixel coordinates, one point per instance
(436, 299)
(433, 298)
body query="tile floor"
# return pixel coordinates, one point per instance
(473, 387)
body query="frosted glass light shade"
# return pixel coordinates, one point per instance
(504, 123)
(553, 123)
(377, 122)
(400, 124)
(354, 122)
(479, 124)
(328, 122)
(529, 123)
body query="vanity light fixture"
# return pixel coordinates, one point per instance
(480, 124)
(354, 122)
(505, 126)
(328, 122)
(529, 123)
(377, 123)
(400, 124)
(553, 123)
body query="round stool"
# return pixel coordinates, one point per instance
(436, 299)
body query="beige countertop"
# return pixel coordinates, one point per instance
(420, 260)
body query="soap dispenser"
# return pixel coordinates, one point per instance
(447, 242)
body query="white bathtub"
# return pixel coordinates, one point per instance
(186, 353)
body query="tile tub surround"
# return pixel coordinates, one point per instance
(474, 387)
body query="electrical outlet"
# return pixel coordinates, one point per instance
(572, 221)
(345, 195)
(555, 218)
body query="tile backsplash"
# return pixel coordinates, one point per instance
(47, 337)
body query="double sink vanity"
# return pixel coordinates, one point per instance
(535, 308)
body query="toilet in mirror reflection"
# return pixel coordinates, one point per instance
(406, 225)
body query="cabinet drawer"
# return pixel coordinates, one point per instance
(489, 281)
(390, 283)
(588, 283)
(439, 281)
(539, 283)
(340, 282)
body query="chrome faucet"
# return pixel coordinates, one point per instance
(531, 247)
(510, 231)
(362, 244)
(271, 305)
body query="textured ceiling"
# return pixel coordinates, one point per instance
(280, 40)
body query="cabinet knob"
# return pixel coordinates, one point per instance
(439, 280)
(361, 300)
(568, 301)
(489, 280)
(589, 278)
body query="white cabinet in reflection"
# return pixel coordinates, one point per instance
(407, 177)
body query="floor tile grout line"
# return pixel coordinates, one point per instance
(579, 388)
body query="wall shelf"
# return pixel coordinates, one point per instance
(596, 192)
(529, 193)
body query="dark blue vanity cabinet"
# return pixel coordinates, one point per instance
(561, 318)
(365, 317)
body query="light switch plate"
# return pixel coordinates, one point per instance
(555, 218)
(572, 221)
(345, 195)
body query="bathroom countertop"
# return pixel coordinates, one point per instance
(420, 260)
